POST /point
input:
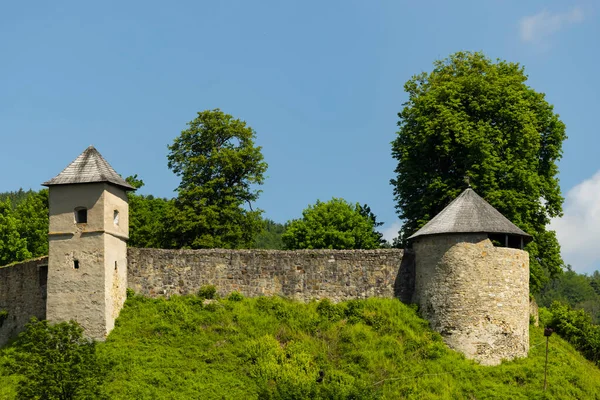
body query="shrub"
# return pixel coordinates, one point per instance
(330, 311)
(235, 296)
(207, 292)
(576, 327)
(57, 362)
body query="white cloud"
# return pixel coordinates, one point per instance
(578, 231)
(535, 28)
(391, 231)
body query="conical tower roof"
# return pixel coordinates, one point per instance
(89, 167)
(469, 213)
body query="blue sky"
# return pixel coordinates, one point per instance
(321, 83)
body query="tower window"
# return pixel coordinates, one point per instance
(81, 215)
(75, 264)
(43, 275)
(116, 217)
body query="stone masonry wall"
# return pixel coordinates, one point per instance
(22, 295)
(476, 295)
(302, 275)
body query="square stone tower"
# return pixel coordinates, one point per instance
(89, 228)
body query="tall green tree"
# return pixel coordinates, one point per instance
(335, 224)
(472, 117)
(220, 167)
(12, 246)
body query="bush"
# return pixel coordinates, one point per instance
(235, 296)
(330, 311)
(57, 362)
(577, 328)
(207, 292)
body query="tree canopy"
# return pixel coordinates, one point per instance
(335, 224)
(23, 225)
(220, 167)
(270, 236)
(12, 246)
(32, 216)
(477, 119)
(147, 218)
(57, 362)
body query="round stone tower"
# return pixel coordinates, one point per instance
(472, 280)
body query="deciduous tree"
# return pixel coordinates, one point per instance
(220, 167)
(472, 117)
(335, 224)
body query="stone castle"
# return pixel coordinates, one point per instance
(467, 270)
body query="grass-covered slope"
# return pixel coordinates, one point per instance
(273, 348)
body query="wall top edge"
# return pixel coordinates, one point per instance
(41, 260)
(264, 251)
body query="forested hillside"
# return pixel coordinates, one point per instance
(236, 348)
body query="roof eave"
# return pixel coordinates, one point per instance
(125, 187)
(527, 237)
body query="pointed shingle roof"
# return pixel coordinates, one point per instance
(89, 167)
(469, 213)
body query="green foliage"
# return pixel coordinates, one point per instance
(219, 166)
(270, 236)
(595, 281)
(573, 289)
(16, 197)
(270, 347)
(366, 212)
(471, 117)
(32, 214)
(235, 296)
(148, 218)
(23, 225)
(335, 224)
(12, 246)
(207, 292)
(577, 328)
(57, 362)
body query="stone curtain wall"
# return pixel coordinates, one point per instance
(22, 295)
(476, 295)
(303, 275)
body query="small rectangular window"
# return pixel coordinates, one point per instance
(75, 264)
(43, 271)
(116, 217)
(81, 215)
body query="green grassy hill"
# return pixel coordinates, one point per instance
(274, 348)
